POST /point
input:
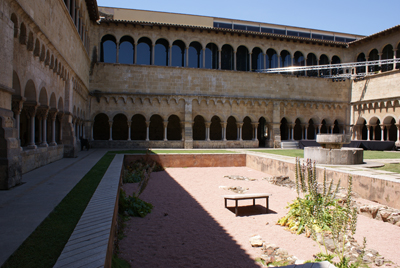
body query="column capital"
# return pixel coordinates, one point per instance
(53, 113)
(207, 123)
(42, 112)
(223, 124)
(60, 116)
(165, 123)
(110, 123)
(147, 123)
(129, 123)
(255, 124)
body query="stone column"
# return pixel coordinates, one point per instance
(203, 65)
(110, 123)
(264, 60)
(234, 60)
(91, 130)
(17, 105)
(382, 132)
(219, 59)
(31, 113)
(292, 132)
(255, 127)
(380, 63)
(373, 132)
(240, 128)
(368, 132)
(302, 131)
(279, 60)
(394, 57)
(129, 130)
(134, 53)
(170, 56)
(117, 56)
(152, 55)
(366, 65)
(183, 131)
(387, 132)
(331, 128)
(223, 125)
(187, 57)
(305, 131)
(207, 130)
(165, 130)
(250, 61)
(59, 117)
(319, 128)
(147, 130)
(398, 132)
(43, 112)
(53, 116)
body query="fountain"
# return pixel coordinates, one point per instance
(332, 152)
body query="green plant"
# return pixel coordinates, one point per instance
(317, 213)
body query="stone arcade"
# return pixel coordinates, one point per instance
(129, 78)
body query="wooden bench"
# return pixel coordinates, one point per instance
(237, 197)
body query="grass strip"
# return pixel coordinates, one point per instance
(43, 247)
(175, 152)
(390, 167)
(285, 152)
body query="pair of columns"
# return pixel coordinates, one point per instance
(382, 127)
(304, 132)
(79, 127)
(34, 111)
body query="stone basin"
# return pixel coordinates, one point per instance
(333, 141)
(332, 152)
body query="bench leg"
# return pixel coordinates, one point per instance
(236, 207)
(267, 199)
(226, 203)
(254, 201)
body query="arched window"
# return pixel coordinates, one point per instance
(108, 49)
(227, 57)
(324, 127)
(299, 60)
(257, 59)
(242, 59)
(231, 129)
(120, 127)
(195, 55)
(324, 60)
(311, 130)
(361, 58)
(199, 128)
(138, 127)
(272, 58)
(144, 51)
(161, 52)
(101, 127)
(298, 130)
(211, 56)
(126, 50)
(174, 131)
(336, 128)
(387, 54)
(22, 34)
(312, 61)
(14, 19)
(373, 56)
(336, 60)
(215, 129)
(286, 60)
(178, 53)
(262, 132)
(156, 128)
(247, 129)
(284, 128)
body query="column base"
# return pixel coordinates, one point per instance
(30, 146)
(44, 145)
(53, 144)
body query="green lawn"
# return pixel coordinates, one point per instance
(390, 167)
(286, 152)
(175, 152)
(300, 153)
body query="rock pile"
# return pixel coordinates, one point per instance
(272, 254)
(235, 189)
(240, 178)
(283, 181)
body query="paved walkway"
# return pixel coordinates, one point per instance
(24, 207)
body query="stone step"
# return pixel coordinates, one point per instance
(289, 145)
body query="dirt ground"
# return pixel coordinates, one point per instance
(190, 227)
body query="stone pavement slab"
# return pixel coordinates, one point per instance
(24, 207)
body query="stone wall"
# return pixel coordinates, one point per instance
(41, 156)
(384, 192)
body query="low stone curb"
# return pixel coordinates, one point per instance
(91, 243)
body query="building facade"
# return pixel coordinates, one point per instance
(132, 79)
